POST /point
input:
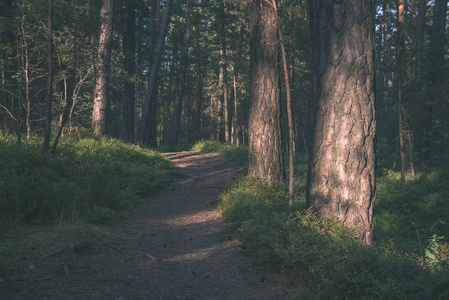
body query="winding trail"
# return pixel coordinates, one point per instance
(175, 246)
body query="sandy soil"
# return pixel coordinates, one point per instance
(175, 246)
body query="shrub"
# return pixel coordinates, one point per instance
(324, 258)
(238, 154)
(90, 177)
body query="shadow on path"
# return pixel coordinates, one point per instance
(175, 246)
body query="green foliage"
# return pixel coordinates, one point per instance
(325, 259)
(437, 252)
(441, 291)
(238, 154)
(411, 214)
(249, 197)
(91, 178)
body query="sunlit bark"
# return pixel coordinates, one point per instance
(341, 179)
(265, 155)
(103, 66)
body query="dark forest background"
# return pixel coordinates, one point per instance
(199, 89)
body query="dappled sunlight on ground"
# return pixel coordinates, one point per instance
(174, 246)
(205, 253)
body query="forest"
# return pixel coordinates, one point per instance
(182, 69)
(339, 108)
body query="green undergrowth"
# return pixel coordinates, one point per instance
(88, 179)
(238, 154)
(324, 260)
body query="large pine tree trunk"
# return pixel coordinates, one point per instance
(341, 181)
(103, 66)
(265, 154)
(129, 50)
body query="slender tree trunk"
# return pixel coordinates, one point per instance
(224, 72)
(410, 150)
(234, 99)
(264, 151)
(148, 121)
(176, 123)
(399, 47)
(68, 94)
(419, 70)
(219, 124)
(389, 46)
(8, 39)
(103, 66)
(291, 134)
(49, 81)
(129, 50)
(3, 95)
(199, 78)
(437, 80)
(341, 179)
(27, 95)
(236, 122)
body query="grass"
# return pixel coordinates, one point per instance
(89, 179)
(93, 178)
(323, 259)
(238, 154)
(50, 204)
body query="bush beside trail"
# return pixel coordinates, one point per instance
(323, 259)
(89, 179)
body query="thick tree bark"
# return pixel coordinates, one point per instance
(341, 179)
(147, 134)
(103, 66)
(46, 145)
(176, 122)
(129, 50)
(265, 154)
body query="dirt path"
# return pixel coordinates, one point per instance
(176, 246)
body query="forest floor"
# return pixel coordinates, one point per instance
(174, 246)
